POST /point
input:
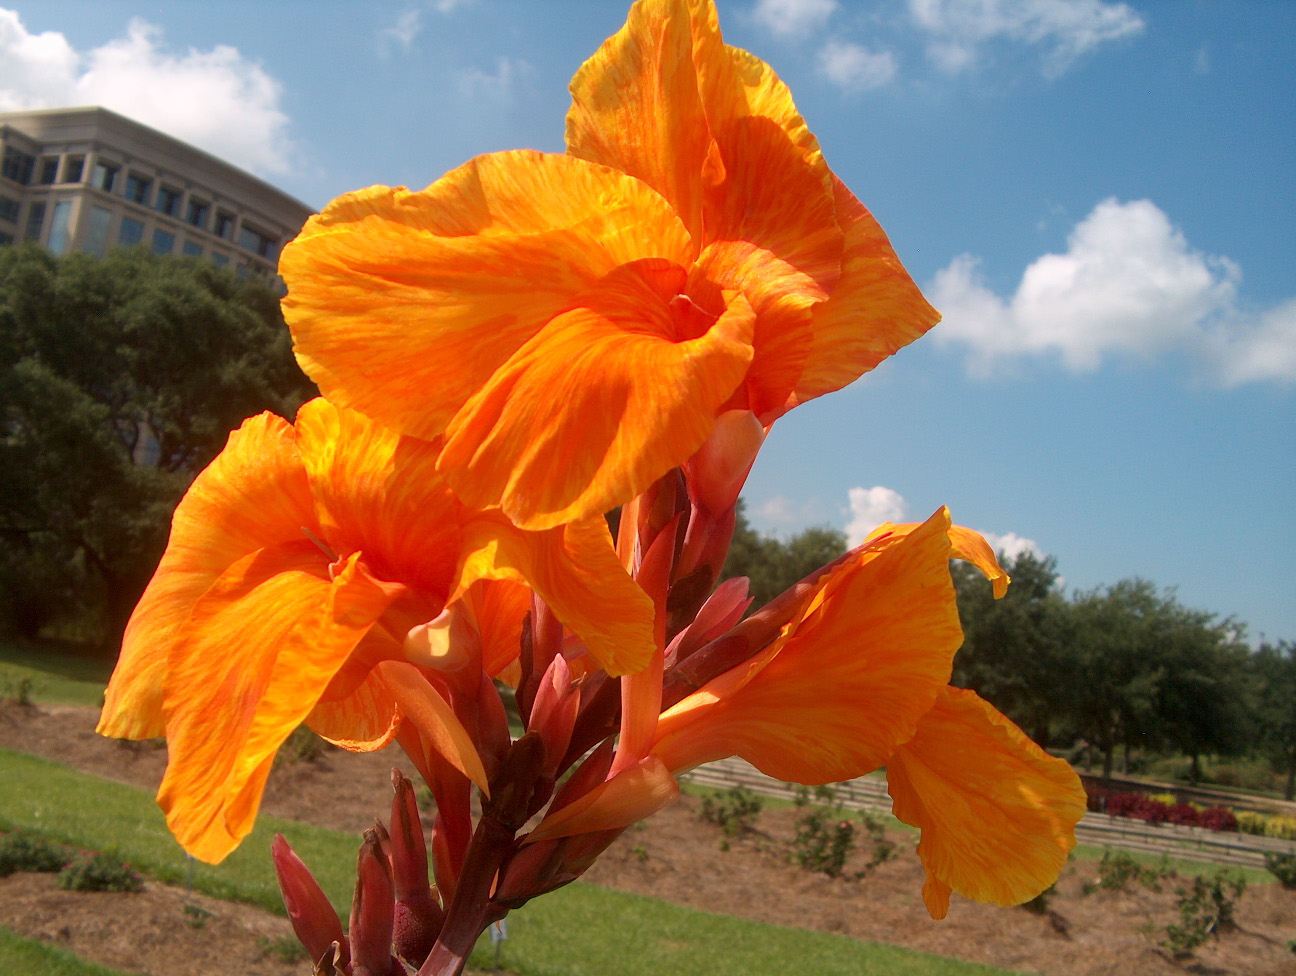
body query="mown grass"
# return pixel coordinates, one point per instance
(53, 674)
(575, 931)
(21, 956)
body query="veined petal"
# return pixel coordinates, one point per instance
(636, 107)
(402, 304)
(254, 494)
(498, 607)
(365, 719)
(379, 492)
(576, 572)
(965, 544)
(848, 681)
(254, 657)
(636, 792)
(603, 401)
(997, 813)
(432, 715)
(875, 309)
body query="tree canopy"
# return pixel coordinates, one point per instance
(120, 378)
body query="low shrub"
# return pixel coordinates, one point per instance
(1250, 822)
(1119, 868)
(99, 871)
(1206, 908)
(23, 851)
(1155, 810)
(823, 842)
(1281, 827)
(1218, 818)
(1282, 867)
(734, 811)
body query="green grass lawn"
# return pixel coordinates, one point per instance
(53, 674)
(577, 930)
(31, 957)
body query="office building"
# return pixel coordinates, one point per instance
(87, 179)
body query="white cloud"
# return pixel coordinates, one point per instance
(793, 18)
(216, 99)
(855, 68)
(781, 510)
(1128, 285)
(1066, 29)
(869, 508)
(402, 33)
(1011, 545)
(501, 84)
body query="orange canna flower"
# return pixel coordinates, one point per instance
(308, 566)
(858, 680)
(575, 324)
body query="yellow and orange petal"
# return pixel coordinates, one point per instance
(849, 680)
(997, 813)
(280, 629)
(402, 304)
(254, 494)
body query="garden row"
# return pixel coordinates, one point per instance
(1159, 808)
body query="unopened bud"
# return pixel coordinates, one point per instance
(418, 917)
(718, 471)
(371, 911)
(313, 917)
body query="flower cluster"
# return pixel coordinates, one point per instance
(506, 357)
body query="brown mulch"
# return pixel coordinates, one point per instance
(673, 856)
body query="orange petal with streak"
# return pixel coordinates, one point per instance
(848, 681)
(256, 654)
(421, 705)
(402, 304)
(997, 813)
(636, 792)
(253, 494)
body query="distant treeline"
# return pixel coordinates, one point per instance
(1123, 669)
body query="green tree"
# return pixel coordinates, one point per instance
(1013, 647)
(1274, 667)
(120, 378)
(772, 565)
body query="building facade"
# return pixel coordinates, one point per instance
(87, 179)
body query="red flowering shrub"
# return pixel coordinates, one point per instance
(1139, 806)
(1218, 818)
(1184, 813)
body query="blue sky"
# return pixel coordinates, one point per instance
(1100, 196)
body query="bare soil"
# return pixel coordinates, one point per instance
(673, 856)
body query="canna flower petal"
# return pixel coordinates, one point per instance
(849, 680)
(614, 377)
(636, 792)
(997, 813)
(255, 494)
(280, 629)
(402, 304)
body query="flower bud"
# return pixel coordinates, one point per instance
(371, 912)
(417, 917)
(313, 917)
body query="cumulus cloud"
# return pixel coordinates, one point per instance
(497, 85)
(1065, 29)
(1011, 545)
(781, 510)
(217, 99)
(402, 33)
(1128, 285)
(869, 508)
(793, 18)
(854, 68)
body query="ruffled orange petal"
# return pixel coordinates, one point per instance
(499, 608)
(603, 401)
(366, 719)
(965, 544)
(636, 792)
(850, 679)
(379, 492)
(997, 813)
(254, 494)
(575, 570)
(256, 654)
(435, 720)
(403, 304)
(875, 309)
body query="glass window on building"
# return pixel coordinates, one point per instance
(72, 170)
(8, 209)
(192, 249)
(5, 238)
(220, 260)
(96, 241)
(224, 226)
(35, 220)
(168, 200)
(196, 213)
(49, 170)
(58, 238)
(163, 242)
(131, 232)
(17, 165)
(137, 188)
(105, 177)
(253, 240)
